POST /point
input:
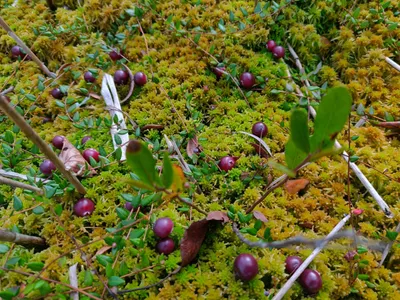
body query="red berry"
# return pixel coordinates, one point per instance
(247, 80)
(58, 141)
(165, 246)
(218, 71)
(114, 55)
(88, 76)
(163, 227)
(311, 281)
(245, 267)
(47, 167)
(278, 52)
(260, 129)
(7, 98)
(121, 77)
(17, 52)
(84, 207)
(292, 263)
(140, 78)
(85, 139)
(56, 93)
(227, 163)
(88, 153)
(271, 45)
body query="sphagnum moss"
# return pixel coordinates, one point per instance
(319, 31)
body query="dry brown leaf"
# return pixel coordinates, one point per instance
(192, 241)
(217, 216)
(296, 185)
(193, 147)
(73, 160)
(260, 216)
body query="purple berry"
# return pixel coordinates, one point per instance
(114, 55)
(247, 80)
(278, 52)
(88, 153)
(85, 139)
(56, 93)
(165, 246)
(140, 78)
(88, 76)
(260, 129)
(58, 141)
(227, 163)
(47, 167)
(128, 206)
(245, 267)
(17, 52)
(311, 281)
(292, 263)
(218, 71)
(271, 45)
(163, 227)
(121, 77)
(84, 207)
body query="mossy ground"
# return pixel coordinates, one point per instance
(350, 40)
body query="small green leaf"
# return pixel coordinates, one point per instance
(293, 155)
(17, 203)
(354, 158)
(392, 235)
(38, 210)
(58, 209)
(88, 281)
(267, 234)
(167, 172)
(122, 213)
(363, 276)
(4, 248)
(141, 161)
(104, 260)
(332, 115)
(299, 130)
(35, 266)
(361, 250)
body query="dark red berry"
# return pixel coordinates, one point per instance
(88, 76)
(271, 45)
(47, 167)
(310, 281)
(292, 263)
(140, 78)
(245, 267)
(247, 80)
(56, 93)
(218, 71)
(88, 153)
(278, 52)
(121, 77)
(85, 139)
(84, 207)
(163, 227)
(7, 98)
(58, 141)
(227, 163)
(17, 52)
(114, 55)
(47, 120)
(165, 246)
(128, 206)
(259, 129)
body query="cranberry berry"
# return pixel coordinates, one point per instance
(292, 263)
(88, 76)
(58, 141)
(165, 246)
(271, 45)
(114, 55)
(47, 167)
(140, 78)
(218, 71)
(163, 227)
(227, 163)
(245, 267)
(17, 52)
(85, 139)
(311, 281)
(88, 153)
(247, 80)
(278, 52)
(56, 93)
(84, 207)
(260, 129)
(121, 77)
(128, 206)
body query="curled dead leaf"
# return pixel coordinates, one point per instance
(73, 160)
(192, 241)
(260, 150)
(260, 216)
(296, 185)
(217, 216)
(193, 147)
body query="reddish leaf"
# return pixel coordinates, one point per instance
(260, 150)
(260, 216)
(73, 160)
(296, 185)
(192, 240)
(217, 216)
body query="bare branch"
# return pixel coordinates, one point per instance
(21, 185)
(7, 90)
(392, 63)
(73, 280)
(21, 239)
